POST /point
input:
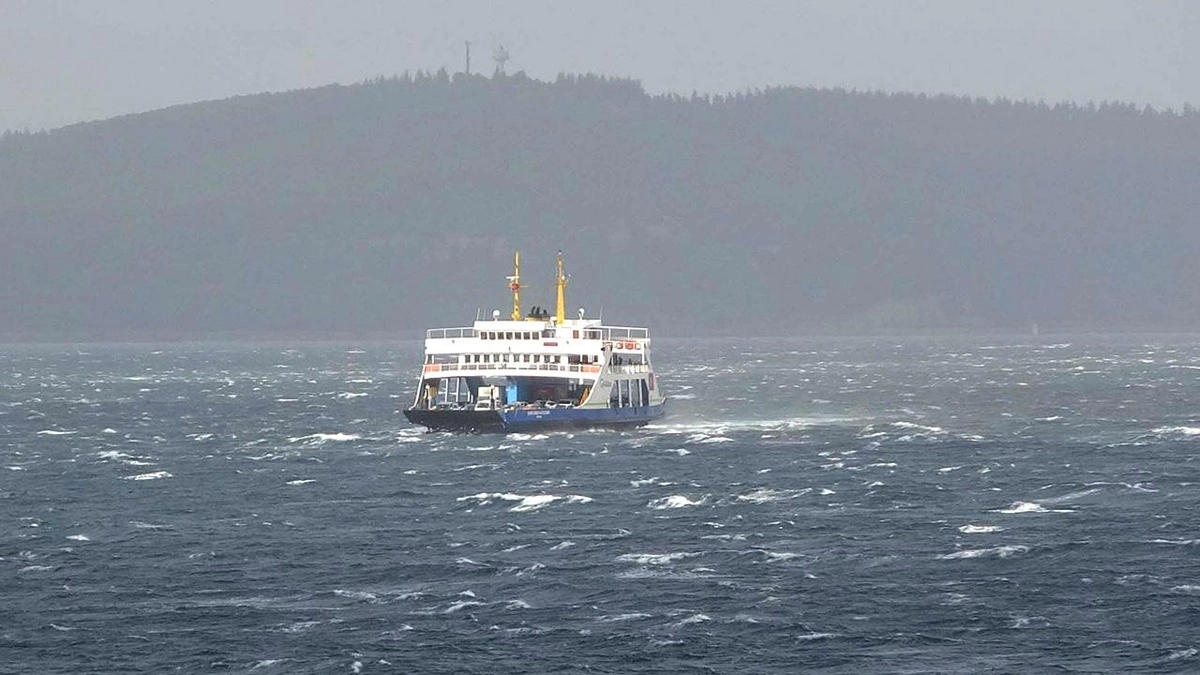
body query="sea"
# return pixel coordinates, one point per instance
(906, 505)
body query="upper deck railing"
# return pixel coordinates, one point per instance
(587, 333)
(442, 333)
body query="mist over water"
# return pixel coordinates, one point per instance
(867, 506)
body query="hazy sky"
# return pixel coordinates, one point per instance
(65, 61)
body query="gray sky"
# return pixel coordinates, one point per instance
(65, 61)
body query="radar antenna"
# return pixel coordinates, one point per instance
(500, 56)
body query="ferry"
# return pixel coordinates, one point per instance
(535, 372)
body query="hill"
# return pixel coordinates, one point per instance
(392, 205)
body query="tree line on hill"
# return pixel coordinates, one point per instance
(393, 205)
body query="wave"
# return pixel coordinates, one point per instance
(118, 456)
(726, 426)
(764, 495)
(997, 552)
(980, 529)
(654, 558)
(320, 439)
(1176, 432)
(525, 502)
(674, 502)
(808, 637)
(631, 616)
(153, 475)
(1030, 507)
(693, 619)
(362, 596)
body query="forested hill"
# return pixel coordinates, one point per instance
(393, 205)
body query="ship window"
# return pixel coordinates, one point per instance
(525, 358)
(575, 334)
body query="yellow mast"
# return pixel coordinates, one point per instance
(514, 285)
(560, 285)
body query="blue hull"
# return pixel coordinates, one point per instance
(534, 419)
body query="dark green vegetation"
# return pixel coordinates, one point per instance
(386, 207)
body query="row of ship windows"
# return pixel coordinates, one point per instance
(533, 334)
(514, 358)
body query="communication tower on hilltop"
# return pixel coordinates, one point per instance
(500, 56)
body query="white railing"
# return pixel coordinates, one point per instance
(439, 333)
(625, 332)
(522, 367)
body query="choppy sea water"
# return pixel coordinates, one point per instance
(828, 506)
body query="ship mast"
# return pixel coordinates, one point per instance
(560, 284)
(514, 285)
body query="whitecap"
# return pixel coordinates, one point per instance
(1029, 507)
(1190, 589)
(356, 595)
(918, 427)
(764, 495)
(54, 432)
(78, 537)
(137, 524)
(654, 558)
(518, 604)
(980, 529)
(631, 616)
(807, 637)
(997, 552)
(1182, 654)
(674, 502)
(561, 546)
(301, 481)
(695, 618)
(118, 456)
(525, 502)
(460, 605)
(1071, 496)
(153, 475)
(318, 439)
(350, 395)
(1177, 431)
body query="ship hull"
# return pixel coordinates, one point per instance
(534, 419)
